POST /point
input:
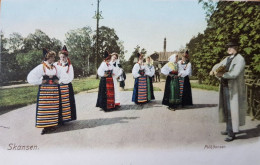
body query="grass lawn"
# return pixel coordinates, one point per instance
(203, 86)
(21, 96)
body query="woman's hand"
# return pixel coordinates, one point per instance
(44, 81)
(56, 81)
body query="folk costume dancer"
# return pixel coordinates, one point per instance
(141, 91)
(106, 92)
(184, 74)
(171, 96)
(66, 90)
(48, 77)
(117, 71)
(151, 76)
(232, 94)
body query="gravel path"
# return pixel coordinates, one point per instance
(150, 133)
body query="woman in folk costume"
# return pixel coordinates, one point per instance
(171, 96)
(151, 75)
(106, 92)
(48, 77)
(117, 71)
(67, 92)
(184, 74)
(141, 92)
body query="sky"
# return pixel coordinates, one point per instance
(137, 22)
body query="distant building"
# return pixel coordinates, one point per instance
(161, 58)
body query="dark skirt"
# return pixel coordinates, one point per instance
(68, 103)
(48, 108)
(151, 88)
(186, 95)
(106, 97)
(171, 96)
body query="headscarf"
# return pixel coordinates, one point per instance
(172, 62)
(172, 58)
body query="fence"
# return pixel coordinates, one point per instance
(253, 93)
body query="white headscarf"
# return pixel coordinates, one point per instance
(172, 58)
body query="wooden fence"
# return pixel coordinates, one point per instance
(253, 93)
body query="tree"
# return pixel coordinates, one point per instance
(108, 40)
(26, 62)
(37, 41)
(228, 20)
(15, 42)
(130, 63)
(79, 43)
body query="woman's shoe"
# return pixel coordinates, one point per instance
(171, 108)
(43, 131)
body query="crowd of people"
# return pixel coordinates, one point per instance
(56, 102)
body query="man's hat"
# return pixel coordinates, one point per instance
(232, 43)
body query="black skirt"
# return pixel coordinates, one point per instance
(102, 97)
(187, 95)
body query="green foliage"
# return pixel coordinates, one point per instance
(85, 84)
(203, 86)
(227, 21)
(20, 55)
(108, 40)
(133, 59)
(79, 44)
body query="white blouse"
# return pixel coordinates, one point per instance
(137, 67)
(151, 69)
(184, 69)
(65, 68)
(116, 70)
(35, 76)
(104, 67)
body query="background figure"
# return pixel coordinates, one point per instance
(232, 94)
(48, 77)
(157, 74)
(171, 96)
(184, 74)
(122, 78)
(67, 92)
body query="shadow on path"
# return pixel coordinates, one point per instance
(133, 106)
(197, 106)
(249, 133)
(158, 104)
(92, 123)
